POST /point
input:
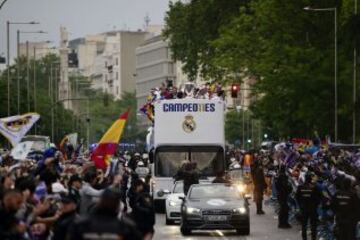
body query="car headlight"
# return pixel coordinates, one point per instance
(191, 210)
(172, 203)
(240, 210)
(241, 188)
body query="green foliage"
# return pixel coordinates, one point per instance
(101, 115)
(289, 51)
(191, 27)
(44, 102)
(240, 126)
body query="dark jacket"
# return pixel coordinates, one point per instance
(308, 197)
(283, 187)
(75, 194)
(62, 225)
(346, 205)
(190, 178)
(8, 224)
(100, 223)
(143, 213)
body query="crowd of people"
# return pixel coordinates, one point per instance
(59, 197)
(210, 90)
(311, 184)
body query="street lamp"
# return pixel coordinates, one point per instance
(8, 23)
(27, 66)
(34, 76)
(335, 61)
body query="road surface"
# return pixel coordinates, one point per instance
(263, 227)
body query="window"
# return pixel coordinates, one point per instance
(210, 159)
(106, 77)
(105, 63)
(117, 61)
(117, 90)
(117, 75)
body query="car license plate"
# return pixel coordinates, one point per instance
(216, 218)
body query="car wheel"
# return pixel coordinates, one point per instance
(185, 231)
(243, 231)
(169, 221)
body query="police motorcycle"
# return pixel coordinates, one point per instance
(240, 180)
(141, 170)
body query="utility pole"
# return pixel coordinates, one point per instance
(35, 127)
(64, 89)
(18, 71)
(354, 82)
(27, 76)
(8, 65)
(335, 77)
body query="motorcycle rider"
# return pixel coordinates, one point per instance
(143, 209)
(104, 221)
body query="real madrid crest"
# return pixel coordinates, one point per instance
(189, 125)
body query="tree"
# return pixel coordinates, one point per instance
(240, 127)
(191, 26)
(43, 99)
(101, 114)
(289, 51)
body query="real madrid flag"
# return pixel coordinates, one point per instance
(14, 128)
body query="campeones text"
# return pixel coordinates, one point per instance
(188, 107)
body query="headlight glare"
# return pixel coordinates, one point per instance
(191, 210)
(241, 188)
(240, 210)
(172, 203)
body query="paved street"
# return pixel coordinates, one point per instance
(262, 227)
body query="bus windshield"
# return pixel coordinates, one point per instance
(168, 160)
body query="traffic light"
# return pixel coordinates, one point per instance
(2, 60)
(235, 88)
(73, 60)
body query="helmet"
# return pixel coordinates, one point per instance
(140, 164)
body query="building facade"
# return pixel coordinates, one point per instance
(108, 60)
(36, 49)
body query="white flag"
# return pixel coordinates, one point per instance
(21, 151)
(73, 138)
(14, 128)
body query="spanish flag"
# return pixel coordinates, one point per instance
(109, 142)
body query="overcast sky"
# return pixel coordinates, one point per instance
(80, 17)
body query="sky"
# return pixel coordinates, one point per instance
(80, 17)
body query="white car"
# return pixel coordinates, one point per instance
(173, 203)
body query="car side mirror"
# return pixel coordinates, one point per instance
(182, 198)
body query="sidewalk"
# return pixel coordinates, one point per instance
(265, 226)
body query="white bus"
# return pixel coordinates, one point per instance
(186, 129)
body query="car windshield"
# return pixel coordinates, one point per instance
(236, 174)
(40, 143)
(179, 187)
(169, 160)
(213, 191)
